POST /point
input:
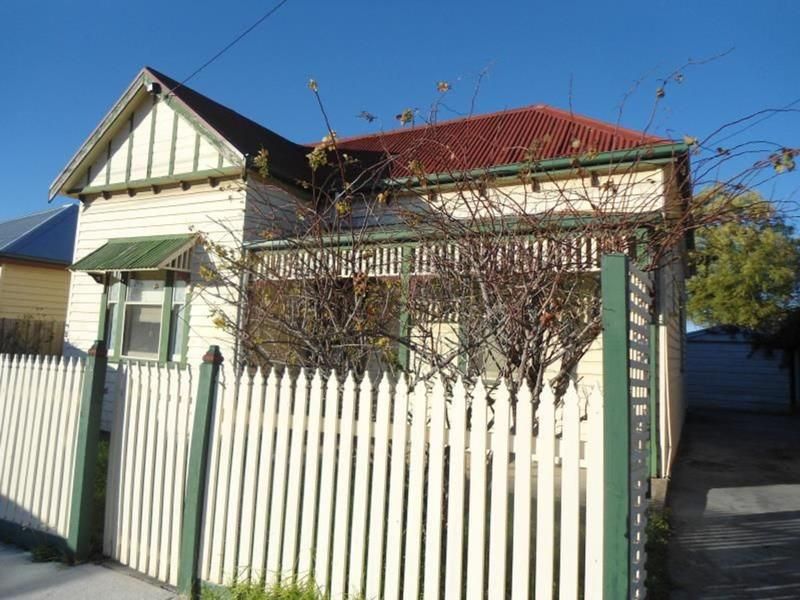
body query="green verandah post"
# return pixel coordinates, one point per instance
(616, 427)
(88, 435)
(188, 582)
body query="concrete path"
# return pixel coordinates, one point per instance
(735, 502)
(21, 578)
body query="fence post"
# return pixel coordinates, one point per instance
(88, 435)
(616, 426)
(196, 473)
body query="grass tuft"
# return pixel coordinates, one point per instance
(301, 589)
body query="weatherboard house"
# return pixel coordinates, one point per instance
(35, 251)
(167, 164)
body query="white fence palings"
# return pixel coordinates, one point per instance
(345, 477)
(39, 406)
(147, 467)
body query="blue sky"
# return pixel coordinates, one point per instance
(65, 63)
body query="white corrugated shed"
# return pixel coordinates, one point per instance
(725, 370)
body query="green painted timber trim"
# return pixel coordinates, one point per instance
(403, 356)
(101, 321)
(162, 180)
(655, 396)
(108, 163)
(511, 226)
(173, 143)
(135, 254)
(123, 292)
(151, 141)
(108, 121)
(188, 580)
(646, 155)
(19, 535)
(88, 435)
(166, 317)
(187, 310)
(213, 136)
(196, 159)
(616, 427)
(129, 162)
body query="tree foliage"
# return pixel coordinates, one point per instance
(746, 266)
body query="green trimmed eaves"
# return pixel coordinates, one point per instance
(120, 107)
(165, 180)
(650, 155)
(513, 225)
(123, 109)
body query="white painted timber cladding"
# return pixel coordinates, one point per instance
(672, 397)
(216, 212)
(151, 145)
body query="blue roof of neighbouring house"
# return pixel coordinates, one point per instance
(47, 236)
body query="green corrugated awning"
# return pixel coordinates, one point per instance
(139, 254)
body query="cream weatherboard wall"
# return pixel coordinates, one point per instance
(32, 292)
(216, 212)
(152, 140)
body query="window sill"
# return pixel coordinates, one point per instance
(115, 360)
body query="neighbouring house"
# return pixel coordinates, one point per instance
(167, 163)
(35, 251)
(730, 368)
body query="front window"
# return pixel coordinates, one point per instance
(143, 308)
(145, 315)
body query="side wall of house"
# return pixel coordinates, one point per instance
(672, 347)
(216, 212)
(32, 292)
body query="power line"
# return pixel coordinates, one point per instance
(236, 40)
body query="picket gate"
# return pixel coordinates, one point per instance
(147, 467)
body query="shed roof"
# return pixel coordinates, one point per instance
(46, 236)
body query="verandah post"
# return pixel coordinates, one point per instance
(616, 426)
(88, 435)
(188, 580)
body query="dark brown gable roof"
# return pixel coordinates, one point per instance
(287, 160)
(533, 133)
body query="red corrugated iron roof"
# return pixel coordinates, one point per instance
(538, 132)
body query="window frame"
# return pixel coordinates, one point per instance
(115, 345)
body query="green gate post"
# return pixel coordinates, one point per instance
(188, 581)
(88, 435)
(616, 427)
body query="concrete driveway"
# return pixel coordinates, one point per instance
(735, 502)
(21, 578)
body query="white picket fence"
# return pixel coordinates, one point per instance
(402, 493)
(147, 467)
(39, 410)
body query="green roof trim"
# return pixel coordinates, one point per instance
(136, 254)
